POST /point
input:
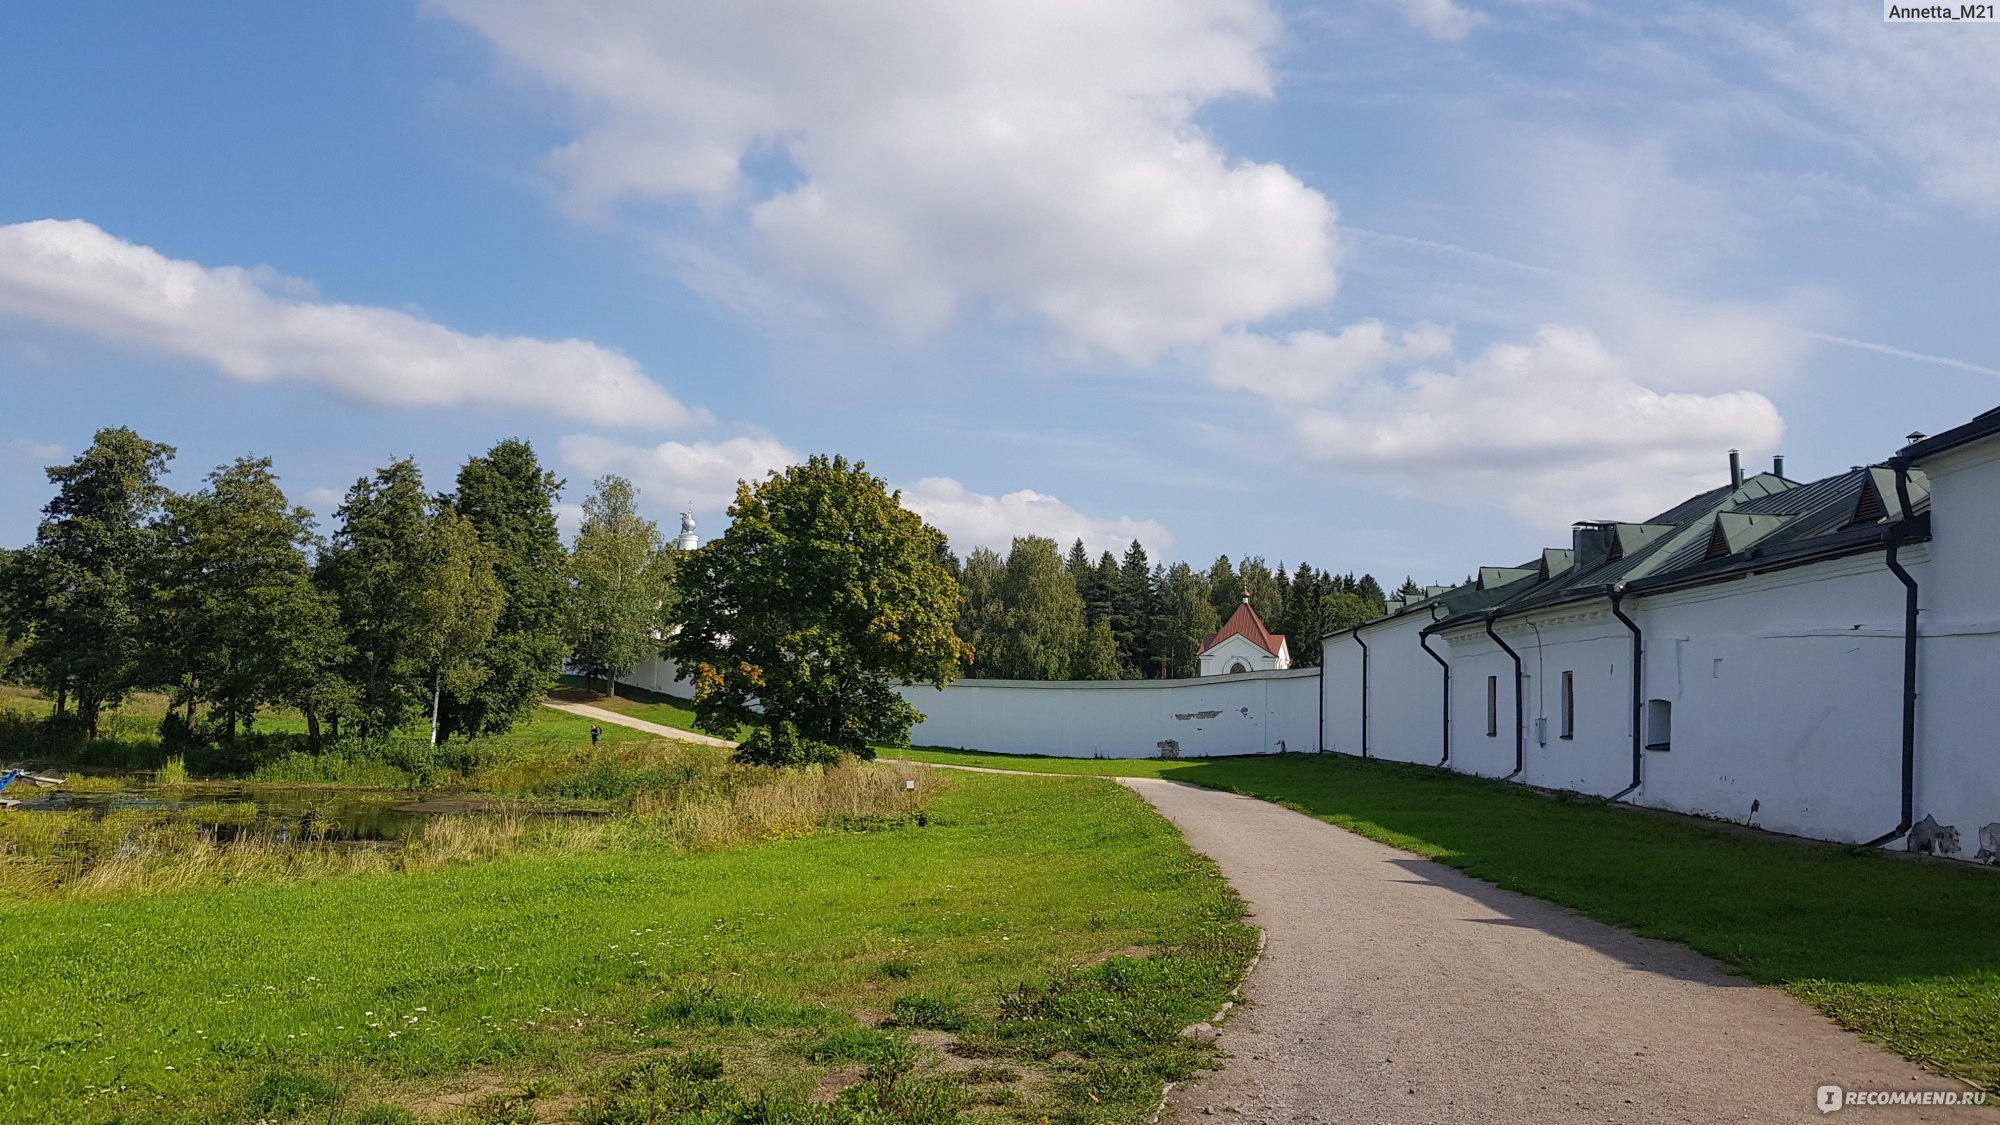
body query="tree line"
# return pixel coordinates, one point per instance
(455, 610)
(1038, 614)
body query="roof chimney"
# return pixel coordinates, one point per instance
(1735, 469)
(1777, 464)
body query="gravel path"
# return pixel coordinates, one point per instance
(1393, 989)
(599, 714)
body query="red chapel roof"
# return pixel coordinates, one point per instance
(1246, 624)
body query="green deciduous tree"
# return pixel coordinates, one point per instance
(457, 599)
(823, 595)
(1041, 615)
(510, 499)
(622, 590)
(78, 595)
(236, 621)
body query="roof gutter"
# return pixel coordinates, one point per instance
(1893, 542)
(1424, 639)
(1520, 732)
(1617, 592)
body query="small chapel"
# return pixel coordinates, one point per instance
(1243, 644)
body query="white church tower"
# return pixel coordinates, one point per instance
(688, 540)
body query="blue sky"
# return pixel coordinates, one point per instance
(1404, 286)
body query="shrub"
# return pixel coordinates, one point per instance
(780, 744)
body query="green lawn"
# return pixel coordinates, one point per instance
(653, 707)
(1059, 933)
(1905, 952)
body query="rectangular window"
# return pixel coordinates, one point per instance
(1492, 706)
(1569, 705)
(1659, 724)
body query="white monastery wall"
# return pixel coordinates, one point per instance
(1248, 713)
(1958, 660)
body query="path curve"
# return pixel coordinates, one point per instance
(599, 714)
(1396, 990)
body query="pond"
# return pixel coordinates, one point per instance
(228, 812)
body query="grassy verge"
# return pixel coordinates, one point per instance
(1033, 950)
(1903, 952)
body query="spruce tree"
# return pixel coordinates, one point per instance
(1132, 609)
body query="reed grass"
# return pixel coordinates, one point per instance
(75, 855)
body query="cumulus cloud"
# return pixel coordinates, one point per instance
(1442, 19)
(1039, 159)
(973, 519)
(698, 475)
(1310, 365)
(703, 476)
(260, 327)
(1927, 95)
(1557, 429)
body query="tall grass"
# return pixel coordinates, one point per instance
(130, 852)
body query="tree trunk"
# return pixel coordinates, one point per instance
(437, 694)
(611, 684)
(62, 701)
(312, 725)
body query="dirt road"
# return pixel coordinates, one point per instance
(1396, 990)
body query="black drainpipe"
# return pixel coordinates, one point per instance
(1424, 638)
(1520, 732)
(1364, 691)
(1319, 737)
(1638, 691)
(1894, 540)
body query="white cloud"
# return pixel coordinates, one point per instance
(260, 327)
(1442, 19)
(1928, 95)
(1557, 430)
(324, 500)
(974, 519)
(1040, 157)
(702, 475)
(699, 476)
(28, 449)
(1310, 365)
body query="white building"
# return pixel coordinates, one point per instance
(1814, 658)
(1243, 644)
